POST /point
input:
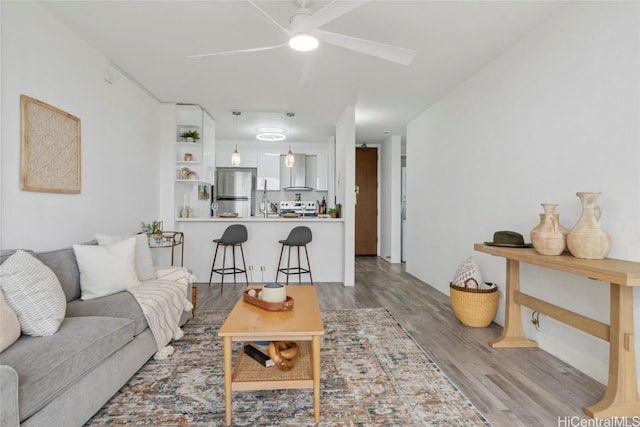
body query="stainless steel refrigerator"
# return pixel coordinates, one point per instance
(235, 191)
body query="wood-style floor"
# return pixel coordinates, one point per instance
(511, 387)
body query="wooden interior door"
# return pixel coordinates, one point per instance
(366, 201)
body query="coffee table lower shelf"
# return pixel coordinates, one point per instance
(251, 375)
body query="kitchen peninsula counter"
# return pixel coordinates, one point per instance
(326, 251)
(261, 219)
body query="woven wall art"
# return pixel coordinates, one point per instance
(50, 148)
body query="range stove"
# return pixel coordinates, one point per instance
(302, 208)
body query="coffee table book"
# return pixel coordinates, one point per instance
(257, 355)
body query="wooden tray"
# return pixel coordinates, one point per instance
(271, 306)
(290, 215)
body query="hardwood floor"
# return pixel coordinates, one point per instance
(511, 387)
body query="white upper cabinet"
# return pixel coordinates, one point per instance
(265, 156)
(320, 166)
(268, 170)
(248, 158)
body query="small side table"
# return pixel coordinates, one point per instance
(169, 239)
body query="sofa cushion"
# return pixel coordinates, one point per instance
(105, 270)
(47, 365)
(33, 291)
(122, 304)
(63, 263)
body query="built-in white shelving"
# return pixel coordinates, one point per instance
(194, 162)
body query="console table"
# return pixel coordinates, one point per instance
(621, 397)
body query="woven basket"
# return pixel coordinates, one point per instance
(473, 306)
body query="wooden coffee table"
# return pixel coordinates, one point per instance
(302, 324)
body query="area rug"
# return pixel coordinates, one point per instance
(373, 374)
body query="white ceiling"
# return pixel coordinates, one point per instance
(150, 40)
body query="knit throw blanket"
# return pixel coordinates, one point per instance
(163, 300)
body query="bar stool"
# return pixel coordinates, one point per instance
(298, 236)
(234, 235)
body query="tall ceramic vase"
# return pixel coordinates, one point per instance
(587, 239)
(549, 237)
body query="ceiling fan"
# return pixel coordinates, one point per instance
(304, 33)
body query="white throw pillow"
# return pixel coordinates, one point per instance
(106, 270)
(9, 324)
(468, 270)
(34, 292)
(144, 260)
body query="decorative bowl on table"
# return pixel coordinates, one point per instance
(228, 215)
(274, 292)
(252, 298)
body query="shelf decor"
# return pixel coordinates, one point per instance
(50, 148)
(587, 239)
(190, 135)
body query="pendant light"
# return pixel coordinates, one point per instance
(289, 160)
(235, 157)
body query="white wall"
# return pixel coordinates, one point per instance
(390, 199)
(557, 113)
(120, 131)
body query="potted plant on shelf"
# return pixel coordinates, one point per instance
(333, 213)
(190, 135)
(153, 229)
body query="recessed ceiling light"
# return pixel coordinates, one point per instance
(270, 137)
(386, 132)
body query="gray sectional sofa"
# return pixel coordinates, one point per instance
(65, 378)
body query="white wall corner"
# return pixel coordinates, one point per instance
(391, 199)
(167, 165)
(345, 186)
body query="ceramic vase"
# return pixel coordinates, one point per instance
(587, 239)
(549, 237)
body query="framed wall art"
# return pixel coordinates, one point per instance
(50, 148)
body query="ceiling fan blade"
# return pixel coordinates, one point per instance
(399, 55)
(233, 52)
(334, 10)
(270, 18)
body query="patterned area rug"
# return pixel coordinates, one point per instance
(373, 374)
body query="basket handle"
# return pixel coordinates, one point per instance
(474, 281)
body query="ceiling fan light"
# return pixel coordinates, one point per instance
(270, 137)
(303, 42)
